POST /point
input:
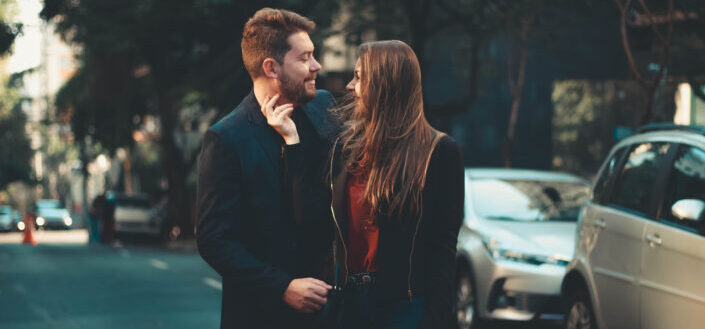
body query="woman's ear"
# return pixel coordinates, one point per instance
(271, 68)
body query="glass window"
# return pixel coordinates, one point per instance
(604, 180)
(637, 177)
(528, 200)
(686, 181)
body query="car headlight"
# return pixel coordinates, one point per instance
(497, 252)
(41, 221)
(20, 226)
(68, 221)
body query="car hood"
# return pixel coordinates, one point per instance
(538, 238)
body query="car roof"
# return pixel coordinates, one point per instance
(674, 136)
(522, 174)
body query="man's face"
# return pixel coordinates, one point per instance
(299, 70)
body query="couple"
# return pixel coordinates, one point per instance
(300, 199)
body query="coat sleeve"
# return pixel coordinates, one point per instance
(221, 219)
(446, 173)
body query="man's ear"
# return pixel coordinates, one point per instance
(271, 68)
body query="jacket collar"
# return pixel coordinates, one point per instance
(316, 111)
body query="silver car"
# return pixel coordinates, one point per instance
(640, 258)
(516, 240)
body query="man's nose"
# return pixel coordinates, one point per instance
(315, 65)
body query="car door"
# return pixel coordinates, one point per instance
(617, 226)
(672, 280)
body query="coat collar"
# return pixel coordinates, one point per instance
(316, 111)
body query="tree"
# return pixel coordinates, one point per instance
(147, 57)
(651, 31)
(15, 151)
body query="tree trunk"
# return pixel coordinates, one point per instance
(178, 208)
(516, 87)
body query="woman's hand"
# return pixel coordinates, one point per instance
(279, 119)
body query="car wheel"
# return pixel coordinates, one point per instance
(466, 298)
(580, 314)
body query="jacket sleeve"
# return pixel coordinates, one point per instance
(446, 173)
(221, 219)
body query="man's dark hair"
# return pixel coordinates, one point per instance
(265, 35)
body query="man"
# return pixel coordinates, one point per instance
(246, 230)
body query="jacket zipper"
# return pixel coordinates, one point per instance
(337, 226)
(411, 255)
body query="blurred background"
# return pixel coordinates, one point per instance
(112, 98)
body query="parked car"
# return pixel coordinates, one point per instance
(10, 220)
(640, 257)
(51, 215)
(517, 237)
(135, 215)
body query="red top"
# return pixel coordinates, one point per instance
(363, 231)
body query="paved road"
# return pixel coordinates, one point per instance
(69, 285)
(65, 283)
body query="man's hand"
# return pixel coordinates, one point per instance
(306, 295)
(279, 118)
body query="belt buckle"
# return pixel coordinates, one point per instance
(366, 278)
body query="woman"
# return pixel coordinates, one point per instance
(396, 197)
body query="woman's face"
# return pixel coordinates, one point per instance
(354, 84)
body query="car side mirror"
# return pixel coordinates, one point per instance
(688, 209)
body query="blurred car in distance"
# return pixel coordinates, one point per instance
(516, 240)
(10, 219)
(135, 215)
(51, 215)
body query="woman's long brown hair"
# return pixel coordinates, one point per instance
(386, 136)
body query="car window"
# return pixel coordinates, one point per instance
(604, 179)
(528, 200)
(686, 180)
(644, 163)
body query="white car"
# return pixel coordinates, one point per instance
(50, 214)
(135, 215)
(640, 258)
(517, 237)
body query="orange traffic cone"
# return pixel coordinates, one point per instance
(28, 231)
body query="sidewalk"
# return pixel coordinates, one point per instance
(77, 236)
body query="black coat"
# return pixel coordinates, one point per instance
(245, 229)
(433, 259)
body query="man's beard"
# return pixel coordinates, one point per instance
(296, 92)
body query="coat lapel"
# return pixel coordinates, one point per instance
(266, 137)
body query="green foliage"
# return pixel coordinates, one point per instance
(585, 115)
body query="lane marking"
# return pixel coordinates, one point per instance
(158, 264)
(213, 283)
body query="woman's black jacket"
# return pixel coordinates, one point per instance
(319, 205)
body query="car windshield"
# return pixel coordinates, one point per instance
(49, 204)
(4, 210)
(528, 200)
